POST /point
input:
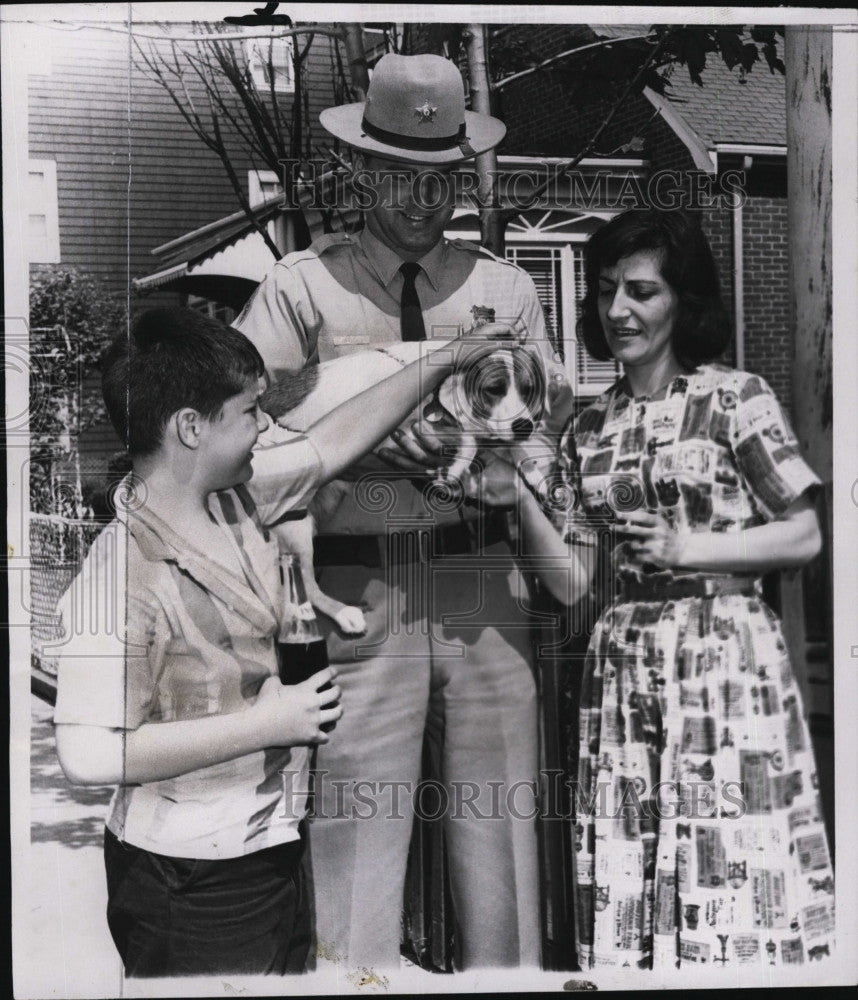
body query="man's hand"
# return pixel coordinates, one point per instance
(292, 714)
(483, 340)
(423, 450)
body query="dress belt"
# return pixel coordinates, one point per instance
(410, 544)
(675, 590)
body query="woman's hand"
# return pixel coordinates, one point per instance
(787, 543)
(650, 540)
(493, 479)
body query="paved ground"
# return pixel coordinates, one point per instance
(69, 953)
(72, 953)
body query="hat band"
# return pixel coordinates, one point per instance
(427, 144)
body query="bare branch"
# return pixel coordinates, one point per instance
(247, 136)
(239, 190)
(306, 50)
(191, 117)
(562, 55)
(336, 156)
(275, 107)
(515, 210)
(213, 90)
(319, 29)
(254, 108)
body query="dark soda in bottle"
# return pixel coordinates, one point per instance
(301, 647)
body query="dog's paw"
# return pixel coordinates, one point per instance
(351, 620)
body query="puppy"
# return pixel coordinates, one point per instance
(500, 397)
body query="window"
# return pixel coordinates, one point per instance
(558, 273)
(43, 231)
(267, 56)
(262, 185)
(591, 377)
(377, 42)
(213, 310)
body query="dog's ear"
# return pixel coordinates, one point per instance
(288, 390)
(529, 361)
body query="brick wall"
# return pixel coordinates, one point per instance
(768, 350)
(718, 226)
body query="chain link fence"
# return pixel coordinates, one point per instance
(58, 546)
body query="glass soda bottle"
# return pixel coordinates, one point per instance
(301, 647)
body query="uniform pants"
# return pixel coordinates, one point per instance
(469, 684)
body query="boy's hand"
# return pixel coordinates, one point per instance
(293, 714)
(422, 450)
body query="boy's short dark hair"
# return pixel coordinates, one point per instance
(702, 330)
(170, 359)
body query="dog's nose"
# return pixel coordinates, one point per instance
(522, 428)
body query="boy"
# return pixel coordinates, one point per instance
(180, 704)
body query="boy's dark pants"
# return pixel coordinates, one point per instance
(190, 917)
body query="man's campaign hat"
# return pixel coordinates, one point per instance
(415, 111)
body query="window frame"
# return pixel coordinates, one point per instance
(254, 46)
(51, 240)
(567, 257)
(255, 181)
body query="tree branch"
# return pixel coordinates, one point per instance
(239, 191)
(508, 214)
(246, 136)
(562, 55)
(272, 93)
(242, 83)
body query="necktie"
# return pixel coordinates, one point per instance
(411, 315)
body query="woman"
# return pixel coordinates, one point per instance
(693, 471)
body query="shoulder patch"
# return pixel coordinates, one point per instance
(317, 248)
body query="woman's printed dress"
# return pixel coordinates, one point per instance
(699, 835)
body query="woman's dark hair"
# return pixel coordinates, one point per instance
(172, 358)
(702, 329)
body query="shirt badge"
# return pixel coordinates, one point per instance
(482, 315)
(425, 113)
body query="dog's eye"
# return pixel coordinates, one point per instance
(494, 388)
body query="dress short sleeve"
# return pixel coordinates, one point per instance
(108, 653)
(767, 450)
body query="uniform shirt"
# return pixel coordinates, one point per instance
(342, 295)
(156, 632)
(711, 451)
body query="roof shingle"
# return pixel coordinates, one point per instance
(725, 110)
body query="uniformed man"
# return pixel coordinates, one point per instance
(447, 647)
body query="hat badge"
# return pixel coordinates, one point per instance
(425, 113)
